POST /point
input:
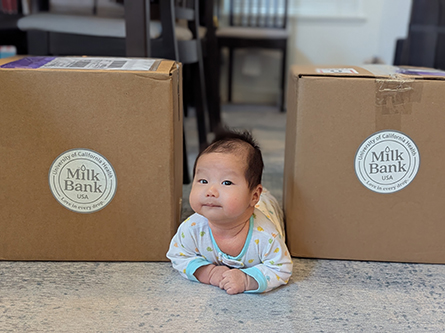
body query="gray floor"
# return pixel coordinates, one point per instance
(322, 296)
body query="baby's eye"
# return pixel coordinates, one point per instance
(203, 181)
(227, 182)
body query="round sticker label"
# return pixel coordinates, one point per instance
(387, 161)
(82, 180)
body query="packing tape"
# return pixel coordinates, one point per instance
(394, 98)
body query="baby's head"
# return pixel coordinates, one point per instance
(241, 144)
(227, 177)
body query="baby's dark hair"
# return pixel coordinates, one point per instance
(229, 141)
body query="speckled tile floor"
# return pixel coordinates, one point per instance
(322, 295)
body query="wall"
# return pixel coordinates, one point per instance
(355, 39)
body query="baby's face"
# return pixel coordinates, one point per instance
(220, 191)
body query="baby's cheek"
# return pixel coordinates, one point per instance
(235, 206)
(193, 200)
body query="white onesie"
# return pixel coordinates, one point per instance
(264, 257)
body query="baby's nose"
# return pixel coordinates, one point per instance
(212, 192)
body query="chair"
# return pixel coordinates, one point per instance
(124, 34)
(210, 57)
(181, 27)
(188, 51)
(425, 43)
(136, 35)
(255, 24)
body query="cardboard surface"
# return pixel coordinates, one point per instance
(333, 118)
(131, 119)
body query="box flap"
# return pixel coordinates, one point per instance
(372, 70)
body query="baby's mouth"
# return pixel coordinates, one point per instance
(211, 205)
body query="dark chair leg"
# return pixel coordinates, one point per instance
(187, 89)
(212, 81)
(397, 61)
(185, 164)
(230, 78)
(199, 95)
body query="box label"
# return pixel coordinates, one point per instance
(387, 161)
(82, 180)
(129, 64)
(336, 71)
(421, 71)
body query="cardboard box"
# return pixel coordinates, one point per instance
(364, 160)
(91, 158)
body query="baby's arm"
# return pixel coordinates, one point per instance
(183, 252)
(211, 274)
(186, 258)
(275, 268)
(236, 281)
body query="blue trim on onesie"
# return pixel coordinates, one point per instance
(259, 277)
(246, 244)
(193, 266)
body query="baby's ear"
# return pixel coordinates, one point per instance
(256, 194)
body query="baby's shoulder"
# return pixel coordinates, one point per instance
(263, 225)
(195, 221)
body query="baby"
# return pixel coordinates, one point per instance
(235, 239)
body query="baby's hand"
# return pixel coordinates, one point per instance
(234, 281)
(216, 275)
